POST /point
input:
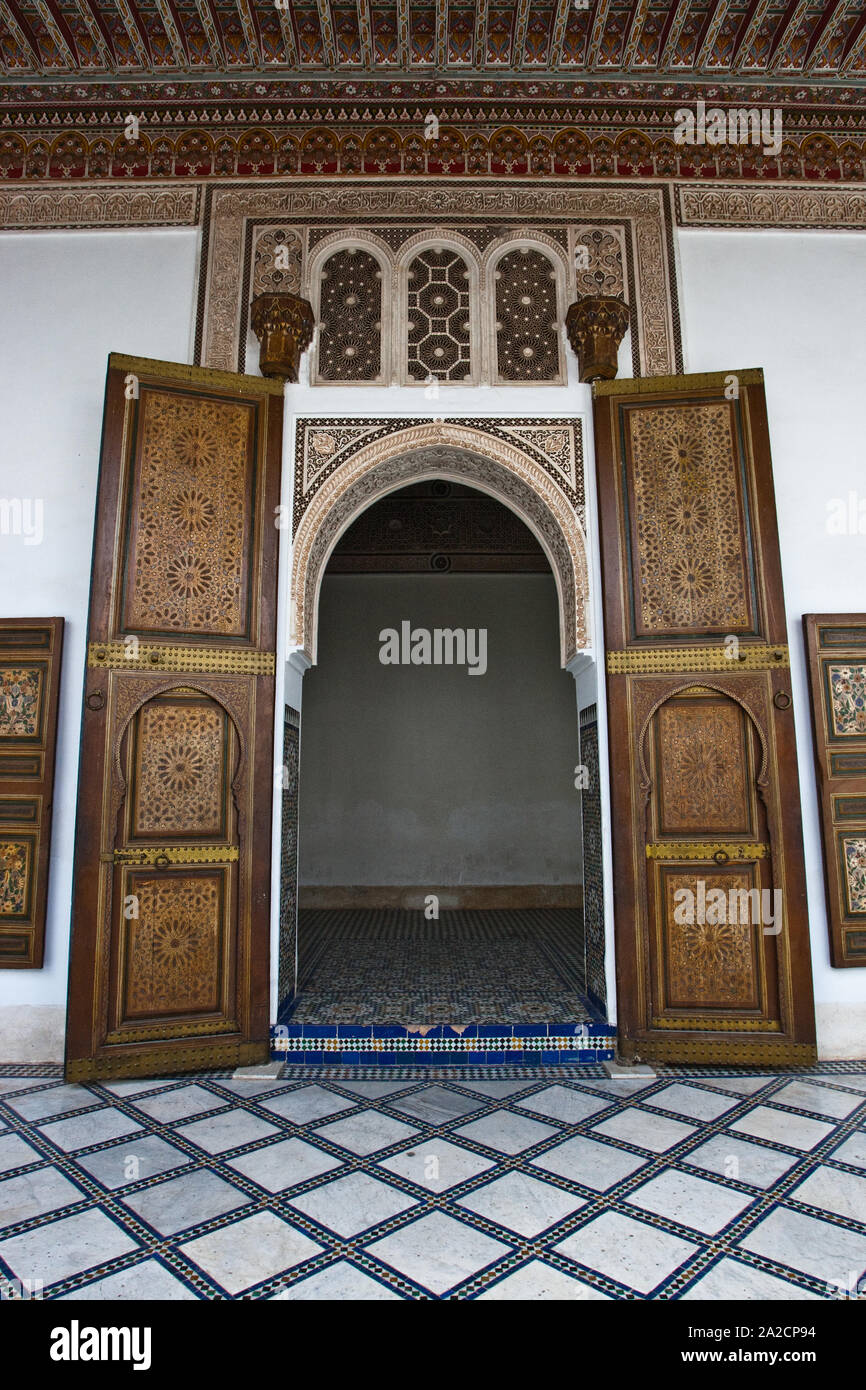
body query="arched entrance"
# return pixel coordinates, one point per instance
(467, 457)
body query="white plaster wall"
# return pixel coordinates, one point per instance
(795, 304)
(424, 775)
(69, 299)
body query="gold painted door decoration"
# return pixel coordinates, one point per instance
(709, 885)
(169, 969)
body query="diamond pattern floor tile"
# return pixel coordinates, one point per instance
(70, 1245)
(692, 1103)
(179, 1203)
(308, 1104)
(147, 1280)
(777, 1126)
(82, 1131)
(831, 1190)
(820, 1100)
(732, 1279)
(563, 1103)
(353, 1204)
(632, 1252)
(181, 1104)
(250, 1250)
(436, 1105)
(522, 1204)
(142, 1156)
(279, 1166)
(853, 1150)
(826, 1251)
(645, 1130)
(366, 1132)
(695, 1202)
(506, 1132)
(437, 1165)
(15, 1152)
(339, 1282)
(537, 1281)
(504, 1184)
(220, 1133)
(438, 1252)
(728, 1157)
(589, 1162)
(56, 1101)
(35, 1194)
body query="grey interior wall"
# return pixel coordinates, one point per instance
(426, 775)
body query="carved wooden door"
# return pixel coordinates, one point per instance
(169, 969)
(712, 934)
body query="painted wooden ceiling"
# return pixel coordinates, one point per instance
(72, 40)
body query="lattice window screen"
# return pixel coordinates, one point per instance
(527, 330)
(439, 334)
(350, 317)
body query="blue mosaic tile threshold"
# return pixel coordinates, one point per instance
(474, 988)
(475, 1045)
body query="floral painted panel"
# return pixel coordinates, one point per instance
(848, 698)
(855, 872)
(14, 876)
(20, 694)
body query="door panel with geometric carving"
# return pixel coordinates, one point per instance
(171, 923)
(710, 906)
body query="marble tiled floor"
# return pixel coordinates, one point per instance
(526, 1184)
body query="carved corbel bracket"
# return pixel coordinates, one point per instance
(283, 324)
(596, 326)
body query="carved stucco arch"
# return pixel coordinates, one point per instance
(464, 454)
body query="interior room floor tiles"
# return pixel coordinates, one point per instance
(684, 1185)
(394, 966)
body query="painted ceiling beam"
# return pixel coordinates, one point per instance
(212, 33)
(365, 33)
(715, 20)
(823, 32)
(599, 24)
(290, 48)
(557, 33)
(633, 33)
(672, 37)
(441, 34)
(174, 31)
(855, 45)
(23, 33)
(403, 38)
(326, 25)
(134, 26)
(482, 10)
(252, 36)
(99, 32)
(56, 25)
(751, 24)
(518, 41)
(788, 25)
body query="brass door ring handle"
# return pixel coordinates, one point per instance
(721, 856)
(95, 700)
